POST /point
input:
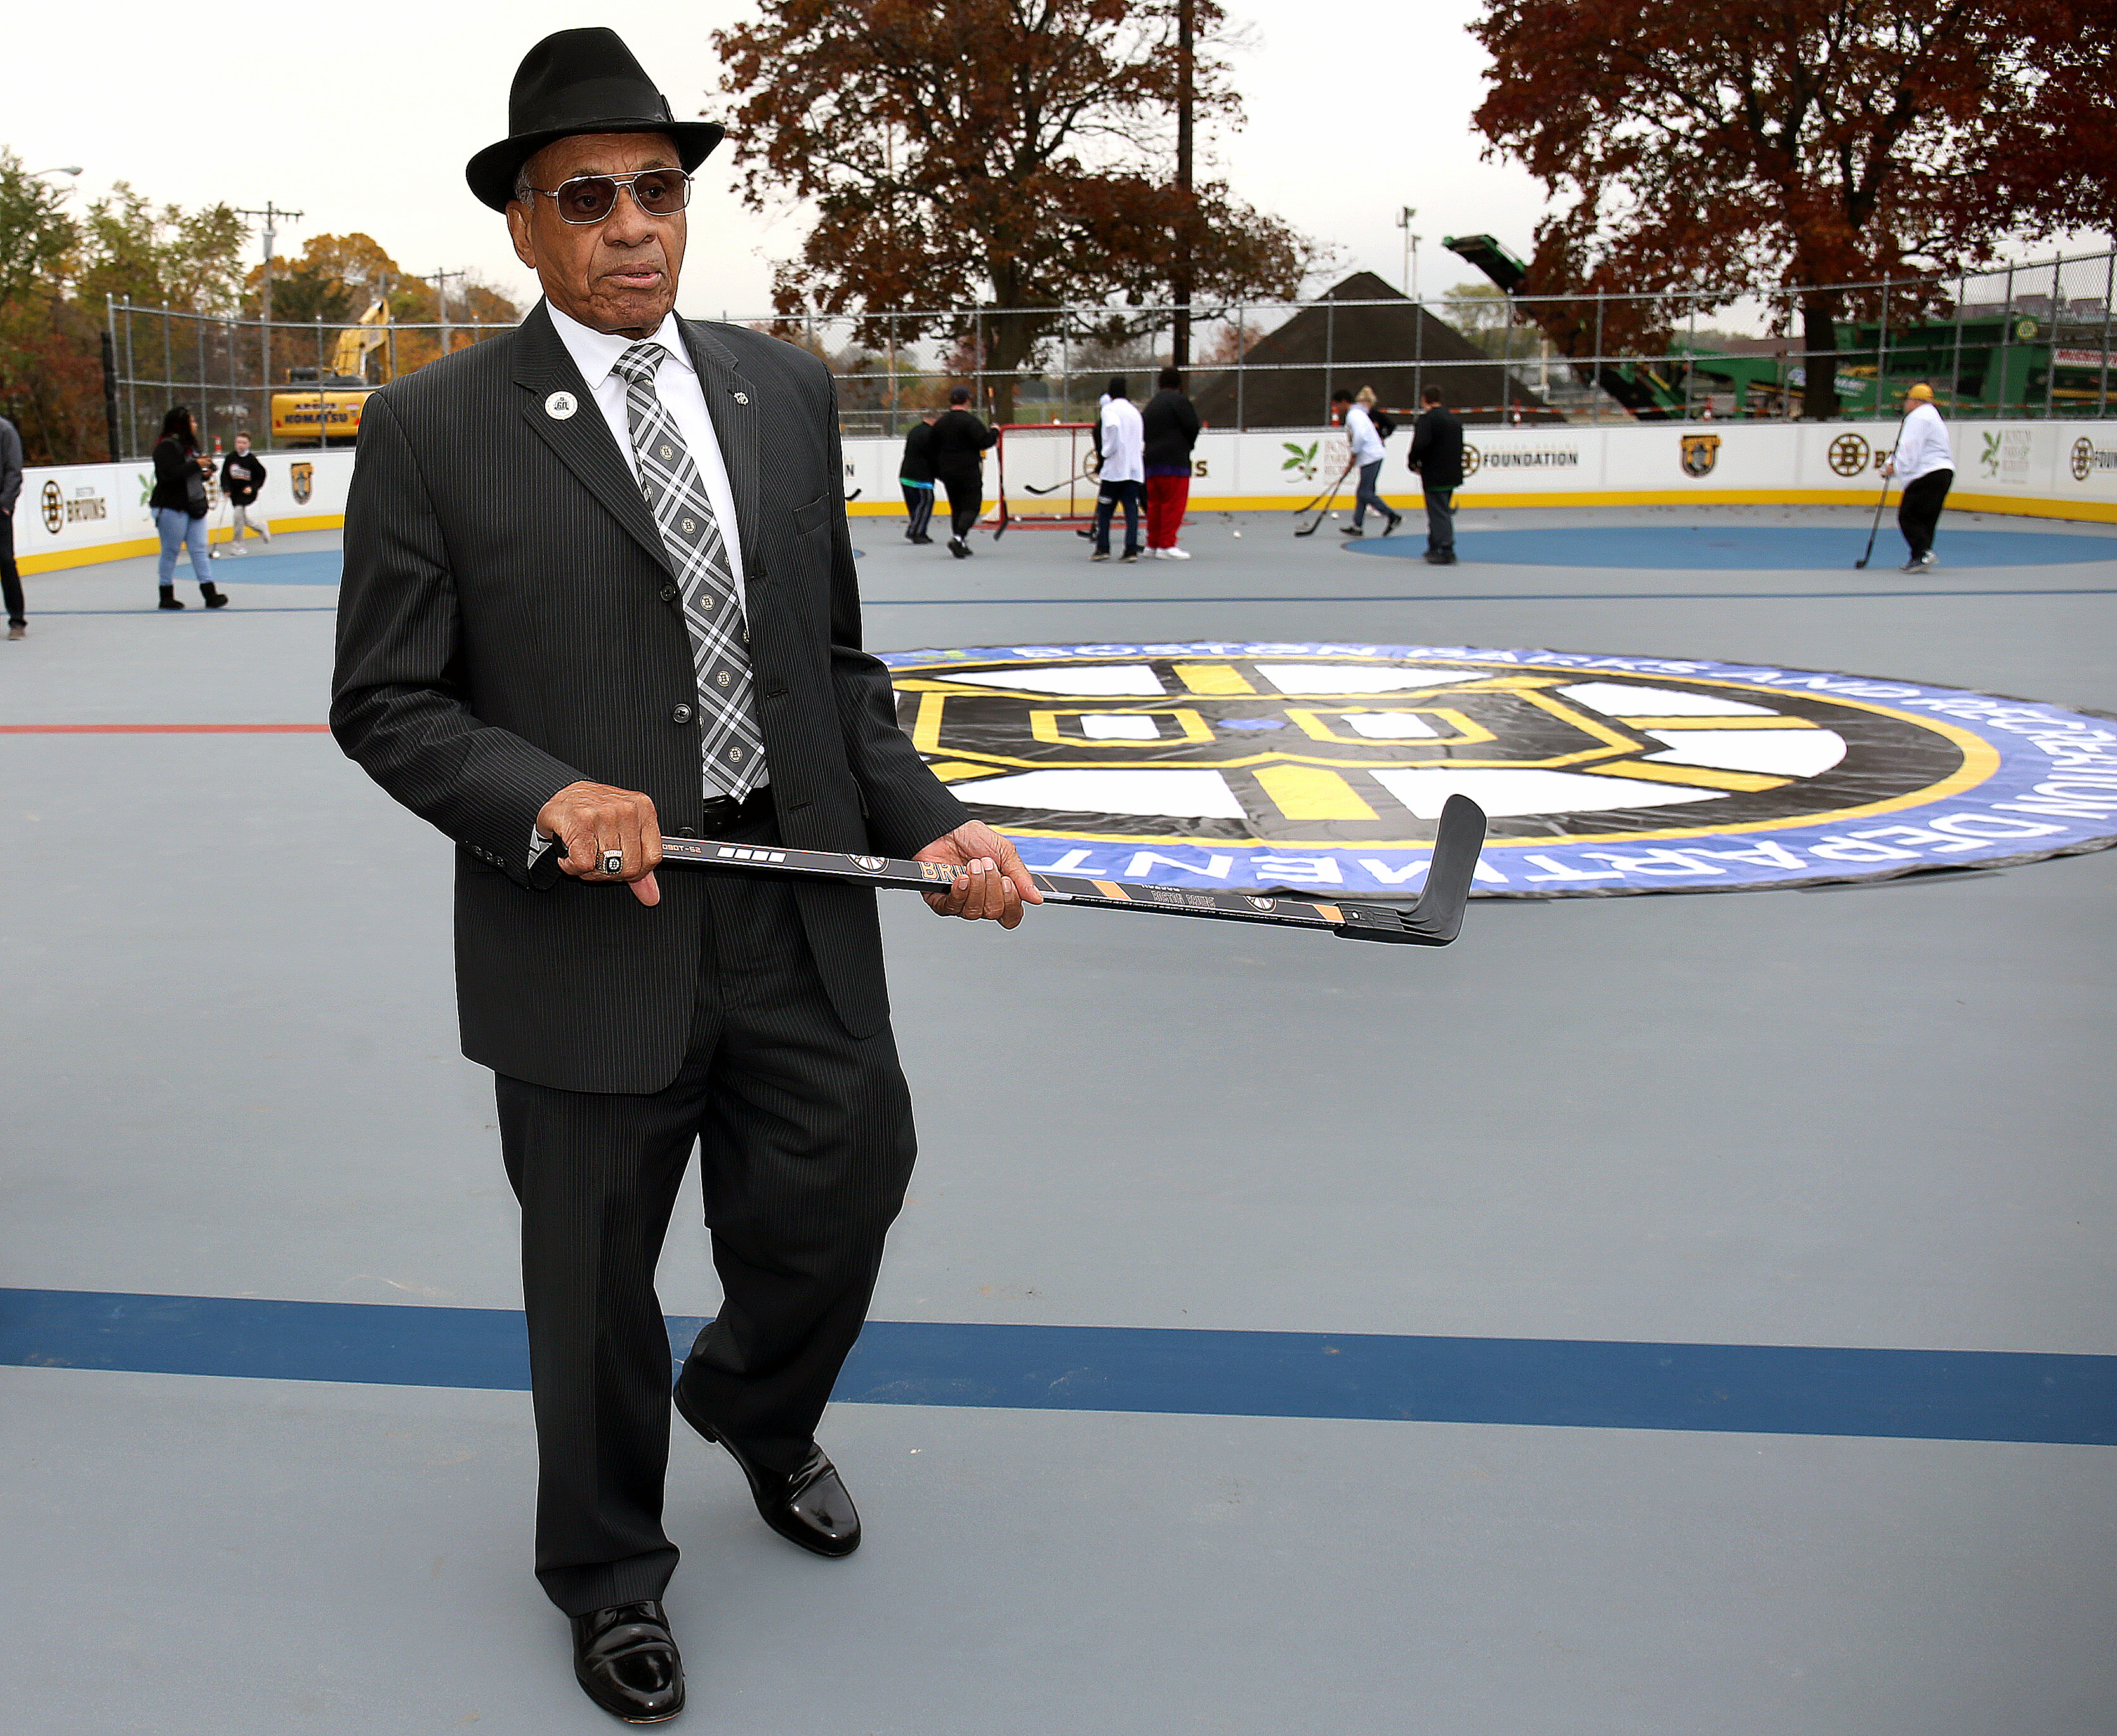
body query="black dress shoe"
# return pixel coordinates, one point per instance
(807, 1506)
(625, 1660)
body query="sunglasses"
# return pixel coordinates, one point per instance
(586, 198)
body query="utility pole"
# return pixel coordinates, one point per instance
(440, 280)
(1403, 218)
(1187, 61)
(270, 215)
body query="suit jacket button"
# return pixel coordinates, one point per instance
(679, 714)
(669, 593)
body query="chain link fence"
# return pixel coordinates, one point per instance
(2022, 340)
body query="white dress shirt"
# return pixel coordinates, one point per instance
(1360, 430)
(1124, 442)
(676, 384)
(1922, 448)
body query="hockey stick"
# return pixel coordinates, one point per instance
(1031, 488)
(1433, 918)
(1881, 501)
(1325, 499)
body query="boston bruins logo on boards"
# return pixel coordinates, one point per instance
(1848, 454)
(1258, 766)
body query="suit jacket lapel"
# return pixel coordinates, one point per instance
(580, 440)
(732, 406)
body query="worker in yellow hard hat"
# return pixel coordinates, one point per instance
(1924, 464)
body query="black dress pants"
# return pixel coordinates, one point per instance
(1918, 513)
(966, 499)
(806, 1145)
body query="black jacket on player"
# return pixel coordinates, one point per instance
(917, 463)
(241, 475)
(1436, 448)
(1171, 427)
(961, 441)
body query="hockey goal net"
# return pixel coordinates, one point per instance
(1046, 475)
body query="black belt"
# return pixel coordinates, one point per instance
(722, 812)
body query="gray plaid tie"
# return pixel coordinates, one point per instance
(734, 749)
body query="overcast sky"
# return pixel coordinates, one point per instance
(363, 118)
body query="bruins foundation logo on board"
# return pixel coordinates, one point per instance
(1848, 454)
(52, 501)
(1472, 458)
(1259, 767)
(1701, 452)
(303, 477)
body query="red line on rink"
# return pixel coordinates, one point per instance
(164, 729)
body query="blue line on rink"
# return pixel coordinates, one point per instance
(1735, 548)
(1762, 1388)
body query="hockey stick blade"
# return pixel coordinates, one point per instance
(1031, 488)
(1434, 919)
(1329, 500)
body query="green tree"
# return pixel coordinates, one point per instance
(46, 358)
(36, 235)
(160, 257)
(1011, 153)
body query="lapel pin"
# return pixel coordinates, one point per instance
(742, 398)
(561, 405)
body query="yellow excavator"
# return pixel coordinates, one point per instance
(321, 406)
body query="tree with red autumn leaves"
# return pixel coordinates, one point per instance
(1800, 144)
(999, 152)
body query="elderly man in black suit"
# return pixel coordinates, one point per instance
(598, 586)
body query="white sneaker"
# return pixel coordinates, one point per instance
(1175, 554)
(1151, 553)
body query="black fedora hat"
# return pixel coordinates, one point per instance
(579, 81)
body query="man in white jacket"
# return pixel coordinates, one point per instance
(1925, 465)
(1366, 441)
(1121, 445)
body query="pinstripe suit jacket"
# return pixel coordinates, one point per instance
(509, 624)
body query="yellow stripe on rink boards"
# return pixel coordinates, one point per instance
(1311, 793)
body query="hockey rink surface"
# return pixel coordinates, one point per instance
(1720, 1288)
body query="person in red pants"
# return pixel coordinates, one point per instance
(1171, 426)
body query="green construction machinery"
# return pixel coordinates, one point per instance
(2029, 359)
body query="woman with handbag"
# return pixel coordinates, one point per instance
(179, 505)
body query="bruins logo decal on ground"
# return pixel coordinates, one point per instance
(1269, 766)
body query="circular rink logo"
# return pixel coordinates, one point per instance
(1261, 766)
